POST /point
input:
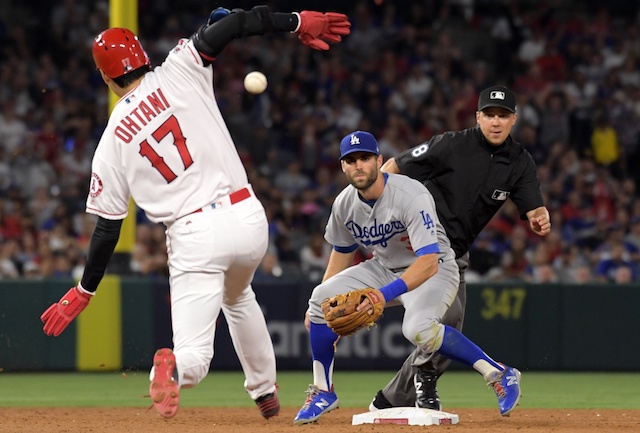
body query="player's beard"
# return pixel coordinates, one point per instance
(362, 184)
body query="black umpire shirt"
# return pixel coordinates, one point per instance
(470, 180)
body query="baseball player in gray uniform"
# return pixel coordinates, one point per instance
(166, 145)
(413, 264)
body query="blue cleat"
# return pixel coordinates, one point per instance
(506, 384)
(317, 404)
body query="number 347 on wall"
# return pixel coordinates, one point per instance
(506, 303)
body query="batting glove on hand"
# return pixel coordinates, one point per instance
(217, 14)
(59, 315)
(316, 27)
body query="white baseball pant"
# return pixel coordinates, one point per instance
(213, 254)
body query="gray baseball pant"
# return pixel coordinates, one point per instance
(400, 391)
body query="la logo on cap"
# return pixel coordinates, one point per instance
(354, 140)
(497, 95)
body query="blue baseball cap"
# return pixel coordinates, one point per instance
(358, 141)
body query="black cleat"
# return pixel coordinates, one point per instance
(426, 392)
(379, 402)
(269, 405)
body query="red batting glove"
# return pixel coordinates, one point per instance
(59, 315)
(316, 27)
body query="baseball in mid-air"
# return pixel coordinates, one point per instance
(255, 82)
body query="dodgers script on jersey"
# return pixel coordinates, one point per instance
(402, 221)
(153, 128)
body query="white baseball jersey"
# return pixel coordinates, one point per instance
(401, 225)
(166, 145)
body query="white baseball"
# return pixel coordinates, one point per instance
(255, 82)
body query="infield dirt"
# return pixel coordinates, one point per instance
(245, 420)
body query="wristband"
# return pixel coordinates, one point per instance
(299, 22)
(394, 289)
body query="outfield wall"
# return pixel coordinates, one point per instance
(535, 327)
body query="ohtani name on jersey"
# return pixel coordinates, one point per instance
(376, 233)
(146, 110)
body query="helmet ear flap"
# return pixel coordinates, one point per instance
(118, 51)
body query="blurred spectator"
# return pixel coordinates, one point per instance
(5, 172)
(582, 94)
(10, 227)
(514, 260)
(604, 141)
(607, 268)
(31, 271)
(8, 261)
(407, 72)
(76, 166)
(270, 266)
(633, 237)
(541, 271)
(533, 46)
(42, 205)
(615, 53)
(149, 256)
(13, 131)
(624, 275)
(554, 121)
(628, 74)
(569, 266)
(584, 275)
(314, 257)
(365, 36)
(292, 181)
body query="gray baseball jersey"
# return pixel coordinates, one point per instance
(399, 226)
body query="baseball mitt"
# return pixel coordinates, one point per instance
(341, 314)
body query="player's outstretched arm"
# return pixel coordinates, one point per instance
(314, 29)
(103, 241)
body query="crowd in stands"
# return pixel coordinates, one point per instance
(408, 70)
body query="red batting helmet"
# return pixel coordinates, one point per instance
(118, 51)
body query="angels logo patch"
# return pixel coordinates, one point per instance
(96, 185)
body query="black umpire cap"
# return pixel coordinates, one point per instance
(497, 96)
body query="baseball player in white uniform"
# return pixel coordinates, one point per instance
(167, 146)
(413, 264)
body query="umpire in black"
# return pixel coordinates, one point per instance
(470, 173)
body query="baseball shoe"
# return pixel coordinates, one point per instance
(164, 389)
(506, 384)
(426, 391)
(379, 402)
(317, 404)
(269, 405)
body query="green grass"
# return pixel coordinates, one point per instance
(457, 389)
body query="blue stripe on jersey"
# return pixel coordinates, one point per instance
(346, 250)
(429, 249)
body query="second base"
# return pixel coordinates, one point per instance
(406, 416)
